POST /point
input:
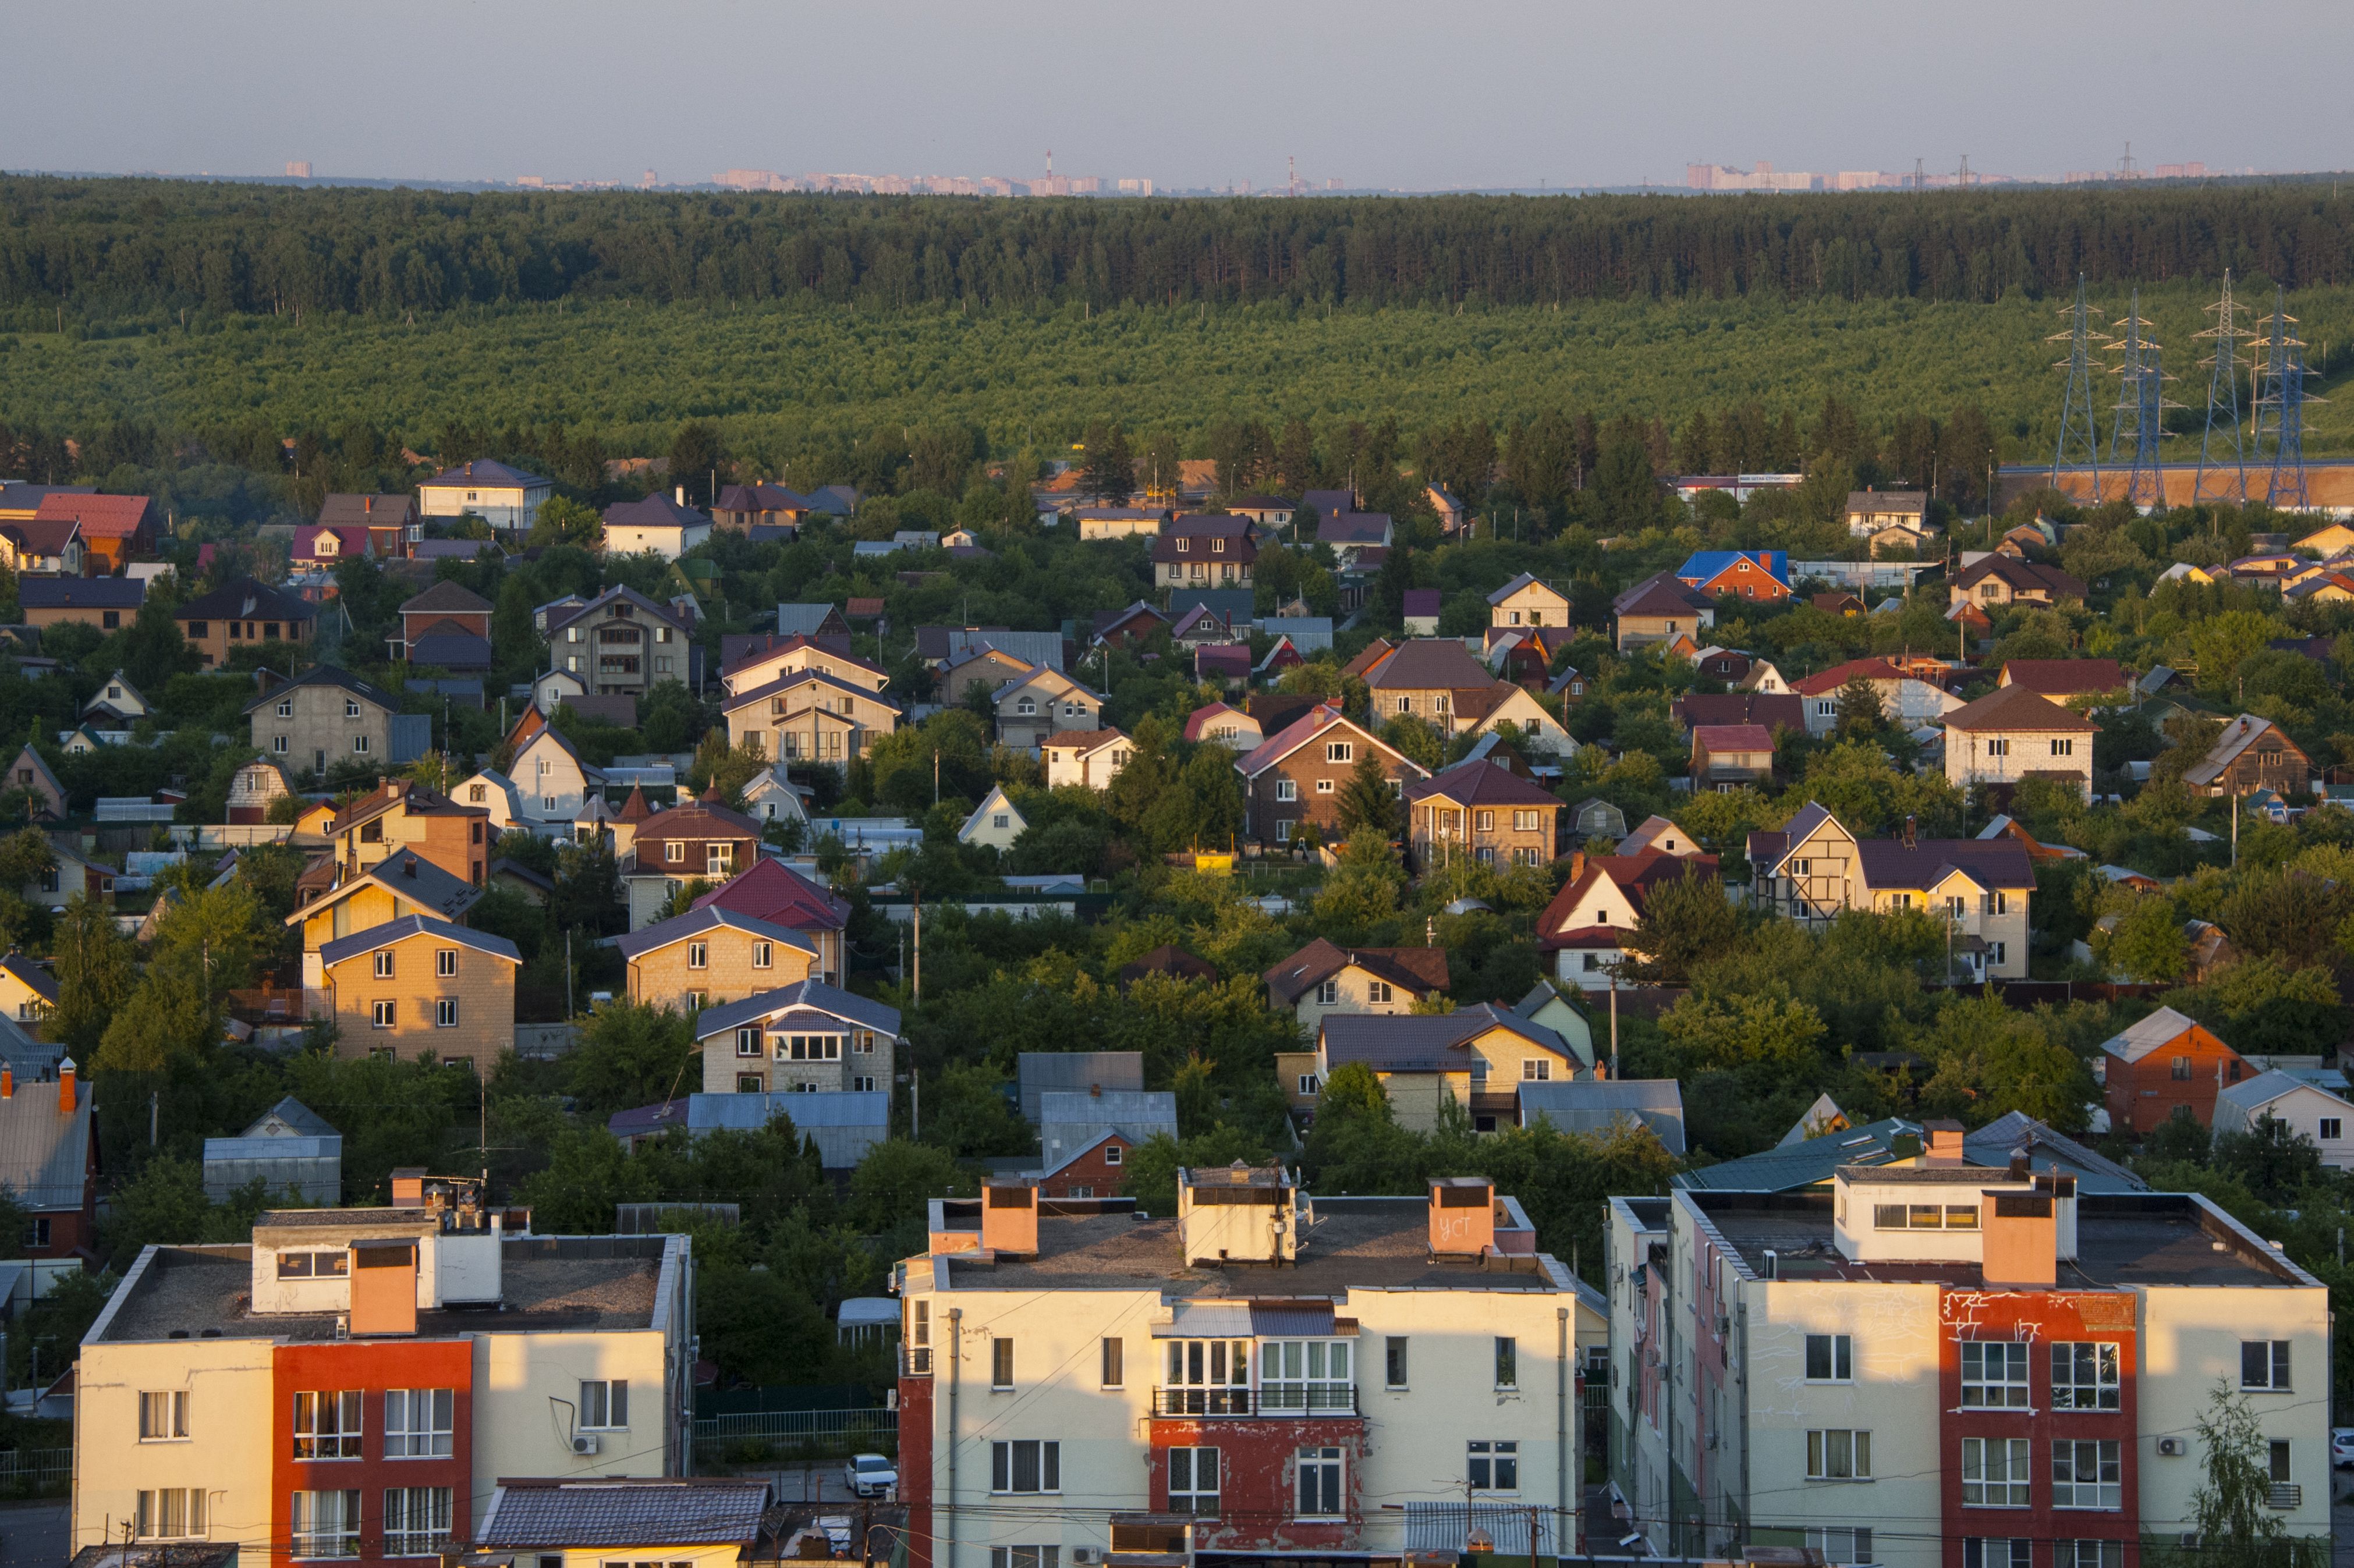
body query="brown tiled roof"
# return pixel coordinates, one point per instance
(2064, 677)
(1724, 738)
(1774, 710)
(1481, 784)
(1417, 968)
(2016, 707)
(1082, 739)
(1431, 663)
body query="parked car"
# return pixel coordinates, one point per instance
(870, 1476)
(2341, 1446)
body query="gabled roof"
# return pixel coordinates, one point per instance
(1792, 1166)
(770, 890)
(560, 615)
(350, 511)
(299, 1119)
(703, 1510)
(1706, 566)
(809, 995)
(793, 678)
(482, 472)
(2021, 576)
(2161, 1028)
(246, 599)
(761, 497)
(100, 516)
(1992, 1145)
(654, 509)
(2251, 1095)
(696, 820)
(1307, 727)
(807, 619)
(1482, 784)
(408, 876)
(81, 593)
(1081, 740)
(1198, 722)
(2065, 677)
(1525, 579)
(2018, 708)
(409, 926)
(1655, 598)
(706, 917)
(997, 800)
(1774, 710)
(27, 973)
(1823, 682)
(1431, 663)
(2239, 735)
(1418, 970)
(1719, 739)
(777, 647)
(328, 675)
(1915, 502)
(1427, 1042)
(1598, 1105)
(45, 1152)
(446, 598)
(1635, 877)
(413, 798)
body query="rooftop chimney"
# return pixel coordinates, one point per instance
(409, 866)
(1945, 1143)
(66, 1084)
(1462, 1216)
(1009, 1216)
(7, 1082)
(1911, 828)
(2022, 1239)
(384, 1287)
(681, 494)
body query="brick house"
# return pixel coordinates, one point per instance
(701, 841)
(1205, 551)
(1737, 574)
(1728, 756)
(107, 603)
(1526, 602)
(1297, 777)
(389, 522)
(2012, 735)
(772, 891)
(2163, 1063)
(1098, 1171)
(449, 625)
(1498, 816)
(244, 614)
(48, 1159)
(115, 530)
(398, 815)
(2000, 580)
(329, 716)
(1660, 609)
(711, 956)
(622, 643)
(418, 984)
(2253, 753)
(806, 1037)
(1428, 677)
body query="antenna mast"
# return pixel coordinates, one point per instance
(2221, 452)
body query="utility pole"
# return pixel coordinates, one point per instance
(155, 1105)
(915, 1104)
(1614, 1022)
(917, 894)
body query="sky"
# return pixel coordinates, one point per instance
(1189, 93)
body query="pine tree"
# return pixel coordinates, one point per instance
(1366, 800)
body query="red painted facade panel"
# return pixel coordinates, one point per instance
(2143, 1094)
(1259, 1479)
(2042, 1318)
(371, 1367)
(916, 1467)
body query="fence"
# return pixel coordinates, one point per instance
(756, 1436)
(36, 1472)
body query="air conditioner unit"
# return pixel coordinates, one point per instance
(1086, 1554)
(2170, 1447)
(584, 1442)
(2189, 1541)
(1724, 1325)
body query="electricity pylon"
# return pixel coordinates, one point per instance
(2279, 406)
(2080, 338)
(2222, 456)
(2140, 417)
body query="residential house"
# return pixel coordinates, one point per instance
(1594, 817)
(1229, 727)
(1905, 700)
(1996, 580)
(1204, 550)
(823, 622)
(846, 1127)
(1870, 511)
(808, 715)
(774, 658)
(1425, 677)
(247, 614)
(400, 815)
(1485, 812)
(1597, 1107)
(1226, 664)
(1072, 1122)
(983, 667)
(1041, 704)
(1660, 609)
(327, 715)
(50, 1160)
(1475, 1056)
(460, 1342)
(549, 775)
(417, 984)
(107, 603)
(500, 796)
(1203, 627)
(448, 625)
(52, 548)
(31, 773)
(1421, 609)
(2294, 1109)
(1997, 1363)
(2333, 586)
(1087, 758)
(657, 525)
(743, 507)
(1322, 978)
(1526, 602)
(1839, 604)
(1117, 522)
(802, 1037)
(1037, 1074)
(114, 530)
(506, 498)
(1295, 777)
(996, 822)
(2011, 735)
(769, 797)
(1779, 711)
(1307, 633)
(1726, 756)
(622, 643)
(1128, 628)
(710, 956)
(1596, 918)
(293, 1151)
(945, 647)
(1266, 510)
(1454, 517)
(388, 523)
(1763, 574)
(1729, 665)
(1290, 1448)
(116, 703)
(1814, 867)
(28, 992)
(771, 891)
(1486, 711)
(332, 903)
(2064, 680)
(1658, 833)
(322, 546)
(695, 840)
(2164, 1064)
(2253, 753)
(2330, 539)
(706, 1521)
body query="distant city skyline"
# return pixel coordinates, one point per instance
(1515, 94)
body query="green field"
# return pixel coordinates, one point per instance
(772, 376)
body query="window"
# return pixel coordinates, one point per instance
(2263, 1364)
(2063, 748)
(2083, 1376)
(445, 1012)
(327, 1425)
(1307, 1086)
(1025, 1556)
(1286, 790)
(314, 1264)
(351, 708)
(1998, 747)
(1837, 1454)
(174, 1513)
(2280, 1471)
(1193, 1481)
(2330, 1128)
(164, 1417)
(1925, 1218)
(384, 964)
(199, 631)
(1493, 1466)
(1304, 1374)
(417, 1423)
(1324, 786)
(2088, 1554)
(359, 746)
(1283, 830)
(1393, 1371)
(1112, 1154)
(37, 1232)
(1025, 1465)
(2087, 1474)
(1339, 751)
(2181, 1073)
(1994, 1374)
(1994, 1472)
(1508, 1362)
(326, 1524)
(445, 962)
(1115, 1363)
(1319, 1485)
(1830, 1358)
(478, 794)
(1535, 1069)
(605, 1406)
(1483, 821)
(698, 955)
(748, 1041)
(383, 1014)
(1997, 1553)
(416, 1521)
(286, 707)
(1000, 1363)
(763, 953)
(1842, 1545)
(1328, 992)
(280, 744)
(1527, 821)
(1377, 991)
(748, 1084)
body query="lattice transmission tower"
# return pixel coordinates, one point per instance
(2222, 455)
(2079, 430)
(2140, 416)
(2279, 407)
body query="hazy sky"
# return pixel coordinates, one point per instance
(1187, 92)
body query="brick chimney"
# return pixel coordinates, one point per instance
(1945, 1143)
(1009, 1216)
(66, 1084)
(7, 1082)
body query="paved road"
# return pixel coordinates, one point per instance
(32, 1535)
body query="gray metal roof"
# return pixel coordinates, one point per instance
(299, 1119)
(804, 619)
(44, 1151)
(806, 996)
(1040, 648)
(1411, 1042)
(1041, 1071)
(2046, 1150)
(705, 1511)
(1796, 1165)
(410, 925)
(1591, 1105)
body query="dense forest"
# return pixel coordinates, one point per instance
(236, 248)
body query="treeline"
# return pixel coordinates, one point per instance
(174, 245)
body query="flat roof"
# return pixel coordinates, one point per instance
(550, 1284)
(2123, 1240)
(1362, 1244)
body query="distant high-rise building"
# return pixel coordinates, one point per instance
(647, 180)
(297, 169)
(1333, 183)
(1136, 187)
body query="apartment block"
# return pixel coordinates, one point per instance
(1262, 1373)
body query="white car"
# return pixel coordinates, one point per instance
(2341, 1446)
(870, 1476)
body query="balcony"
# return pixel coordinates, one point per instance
(1281, 1400)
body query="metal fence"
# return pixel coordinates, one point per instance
(757, 1434)
(31, 1472)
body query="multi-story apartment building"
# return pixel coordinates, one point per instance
(1261, 1373)
(1814, 867)
(803, 1038)
(354, 1382)
(1937, 1364)
(620, 643)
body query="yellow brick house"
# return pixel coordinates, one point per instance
(417, 984)
(710, 956)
